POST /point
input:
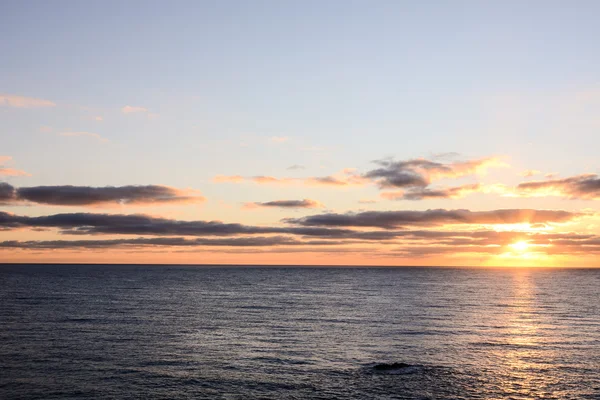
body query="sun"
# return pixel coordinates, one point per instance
(520, 246)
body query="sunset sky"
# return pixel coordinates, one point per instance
(307, 132)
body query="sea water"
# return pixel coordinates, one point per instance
(158, 332)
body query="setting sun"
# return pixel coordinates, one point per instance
(521, 246)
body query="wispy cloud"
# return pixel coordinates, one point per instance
(279, 139)
(133, 109)
(585, 186)
(367, 201)
(8, 100)
(529, 173)
(84, 134)
(305, 203)
(228, 178)
(342, 179)
(7, 171)
(295, 167)
(271, 180)
(12, 172)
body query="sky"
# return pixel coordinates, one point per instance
(448, 133)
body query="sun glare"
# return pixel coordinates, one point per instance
(521, 246)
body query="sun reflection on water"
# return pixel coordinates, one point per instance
(521, 352)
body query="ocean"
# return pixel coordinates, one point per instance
(168, 332)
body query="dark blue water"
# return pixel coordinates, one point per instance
(294, 333)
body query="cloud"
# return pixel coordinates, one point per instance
(343, 179)
(386, 242)
(305, 203)
(7, 193)
(577, 187)
(271, 180)
(295, 167)
(331, 181)
(12, 172)
(98, 118)
(367, 201)
(137, 224)
(169, 241)
(97, 196)
(279, 139)
(8, 100)
(419, 243)
(133, 109)
(529, 173)
(419, 173)
(226, 178)
(397, 219)
(425, 193)
(6, 171)
(414, 175)
(445, 155)
(85, 134)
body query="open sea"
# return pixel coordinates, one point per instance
(169, 332)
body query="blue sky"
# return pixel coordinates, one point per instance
(253, 87)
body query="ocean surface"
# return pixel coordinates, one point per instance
(163, 332)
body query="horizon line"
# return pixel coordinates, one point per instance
(300, 265)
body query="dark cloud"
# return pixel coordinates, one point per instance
(414, 243)
(305, 203)
(420, 173)
(576, 187)
(169, 241)
(7, 193)
(426, 193)
(91, 223)
(95, 196)
(391, 177)
(395, 219)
